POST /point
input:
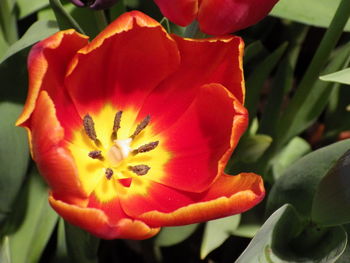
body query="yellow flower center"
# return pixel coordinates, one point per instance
(114, 153)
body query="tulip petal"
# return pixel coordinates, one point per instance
(165, 206)
(122, 65)
(96, 222)
(48, 147)
(216, 60)
(227, 16)
(47, 65)
(181, 12)
(202, 139)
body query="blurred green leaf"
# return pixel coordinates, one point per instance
(331, 204)
(285, 238)
(216, 232)
(5, 251)
(13, 75)
(63, 18)
(37, 31)
(116, 10)
(345, 257)
(85, 17)
(295, 241)
(312, 95)
(293, 151)
(82, 247)
(29, 241)
(28, 7)
(300, 11)
(252, 147)
(246, 230)
(61, 254)
(256, 80)
(342, 76)
(170, 236)
(337, 117)
(283, 80)
(258, 249)
(298, 184)
(8, 20)
(14, 157)
(253, 52)
(3, 43)
(305, 108)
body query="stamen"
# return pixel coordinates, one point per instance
(140, 169)
(116, 124)
(146, 148)
(109, 173)
(141, 126)
(89, 127)
(95, 155)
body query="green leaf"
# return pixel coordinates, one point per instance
(342, 76)
(37, 31)
(258, 249)
(170, 236)
(298, 184)
(28, 7)
(312, 95)
(5, 251)
(295, 241)
(258, 77)
(14, 157)
(246, 230)
(216, 232)
(13, 75)
(82, 247)
(29, 241)
(283, 80)
(252, 147)
(331, 204)
(3, 43)
(61, 249)
(293, 151)
(64, 19)
(285, 238)
(299, 11)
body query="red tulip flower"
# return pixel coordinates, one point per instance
(216, 17)
(132, 131)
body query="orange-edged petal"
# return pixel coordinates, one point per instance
(122, 65)
(202, 139)
(47, 65)
(181, 12)
(227, 16)
(96, 222)
(216, 60)
(164, 206)
(53, 160)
